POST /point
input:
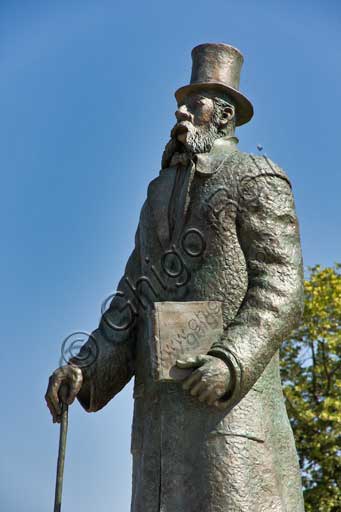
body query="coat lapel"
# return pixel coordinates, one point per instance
(183, 209)
(160, 190)
(159, 194)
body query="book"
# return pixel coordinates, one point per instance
(179, 330)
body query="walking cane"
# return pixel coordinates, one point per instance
(61, 451)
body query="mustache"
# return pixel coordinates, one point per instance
(181, 127)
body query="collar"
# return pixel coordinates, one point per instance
(209, 163)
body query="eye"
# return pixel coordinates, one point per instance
(199, 102)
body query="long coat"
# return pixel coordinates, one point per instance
(236, 241)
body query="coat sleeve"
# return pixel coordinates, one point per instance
(107, 358)
(268, 233)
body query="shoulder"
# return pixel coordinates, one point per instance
(261, 166)
(262, 184)
(252, 173)
(260, 173)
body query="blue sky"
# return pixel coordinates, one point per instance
(86, 102)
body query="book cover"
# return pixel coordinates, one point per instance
(182, 329)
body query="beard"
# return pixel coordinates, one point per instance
(198, 139)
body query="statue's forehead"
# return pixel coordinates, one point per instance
(196, 96)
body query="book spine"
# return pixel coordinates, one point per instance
(155, 347)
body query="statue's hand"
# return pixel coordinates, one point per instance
(180, 159)
(172, 147)
(209, 381)
(66, 377)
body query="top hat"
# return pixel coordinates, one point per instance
(217, 66)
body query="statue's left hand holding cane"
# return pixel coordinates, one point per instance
(64, 385)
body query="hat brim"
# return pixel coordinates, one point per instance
(244, 108)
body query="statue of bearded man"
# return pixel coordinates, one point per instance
(217, 225)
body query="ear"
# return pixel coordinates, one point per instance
(227, 116)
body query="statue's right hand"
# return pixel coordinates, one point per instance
(171, 147)
(69, 378)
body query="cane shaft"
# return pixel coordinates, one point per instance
(61, 458)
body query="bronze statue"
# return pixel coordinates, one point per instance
(217, 225)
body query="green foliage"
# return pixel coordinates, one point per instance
(311, 374)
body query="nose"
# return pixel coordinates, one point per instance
(182, 114)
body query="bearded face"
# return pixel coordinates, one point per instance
(195, 139)
(201, 119)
